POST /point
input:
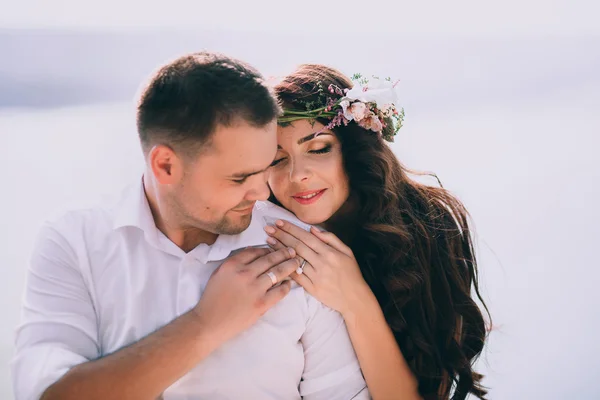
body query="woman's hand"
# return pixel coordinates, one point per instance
(330, 274)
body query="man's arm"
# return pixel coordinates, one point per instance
(144, 369)
(331, 370)
(58, 348)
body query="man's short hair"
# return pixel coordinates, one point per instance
(188, 98)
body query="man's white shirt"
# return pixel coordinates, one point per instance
(104, 278)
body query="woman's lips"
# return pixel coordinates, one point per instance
(308, 197)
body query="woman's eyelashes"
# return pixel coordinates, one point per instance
(275, 162)
(322, 150)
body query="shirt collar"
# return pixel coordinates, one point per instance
(133, 210)
(264, 213)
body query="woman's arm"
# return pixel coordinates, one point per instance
(331, 274)
(383, 365)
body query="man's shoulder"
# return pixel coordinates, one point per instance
(271, 212)
(63, 236)
(77, 222)
(97, 217)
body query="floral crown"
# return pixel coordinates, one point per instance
(369, 103)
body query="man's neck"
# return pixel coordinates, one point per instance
(186, 238)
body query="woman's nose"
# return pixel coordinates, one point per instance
(299, 171)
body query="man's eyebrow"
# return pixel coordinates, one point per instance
(241, 175)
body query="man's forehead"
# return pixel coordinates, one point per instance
(241, 148)
(228, 138)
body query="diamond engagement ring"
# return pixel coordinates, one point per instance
(300, 269)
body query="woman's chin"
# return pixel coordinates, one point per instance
(311, 218)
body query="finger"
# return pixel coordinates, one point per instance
(276, 294)
(303, 281)
(264, 263)
(332, 240)
(274, 243)
(248, 255)
(280, 271)
(290, 241)
(316, 244)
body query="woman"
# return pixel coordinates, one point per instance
(397, 259)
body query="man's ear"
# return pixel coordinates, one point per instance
(165, 164)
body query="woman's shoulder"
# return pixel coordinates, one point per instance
(270, 212)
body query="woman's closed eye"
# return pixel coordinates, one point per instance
(322, 150)
(277, 161)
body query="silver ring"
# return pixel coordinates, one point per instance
(300, 269)
(273, 277)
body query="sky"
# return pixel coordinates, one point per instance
(505, 18)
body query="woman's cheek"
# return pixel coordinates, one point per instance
(278, 184)
(331, 166)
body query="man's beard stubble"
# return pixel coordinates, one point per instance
(226, 227)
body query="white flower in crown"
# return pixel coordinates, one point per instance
(381, 92)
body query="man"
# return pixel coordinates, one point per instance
(139, 300)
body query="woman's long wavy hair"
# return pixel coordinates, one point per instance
(414, 246)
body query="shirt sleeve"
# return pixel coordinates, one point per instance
(331, 369)
(58, 327)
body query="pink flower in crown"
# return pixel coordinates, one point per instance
(387, 109)
(355, 111)
(376, 125)
(358, 110)
(365, 123)
(371, 122)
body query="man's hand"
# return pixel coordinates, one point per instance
(237, 294)
(241, 290)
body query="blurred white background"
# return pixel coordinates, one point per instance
(502, 102)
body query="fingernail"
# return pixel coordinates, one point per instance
(271, 241)
(292, 252)
(269, 229)
(279, 222)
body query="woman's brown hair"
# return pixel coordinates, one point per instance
(414, 246)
